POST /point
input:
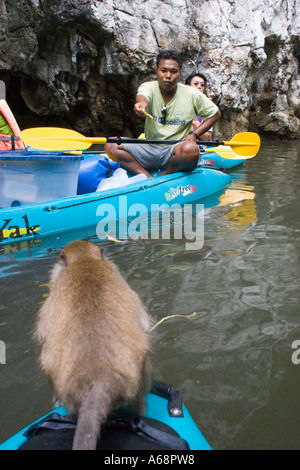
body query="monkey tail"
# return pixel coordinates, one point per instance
(93, 411)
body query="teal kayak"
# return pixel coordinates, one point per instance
(167, 425)
(27, 222)
(218, 160)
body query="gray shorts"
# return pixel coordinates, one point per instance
(151, 156)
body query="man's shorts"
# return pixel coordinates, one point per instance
(151, 156)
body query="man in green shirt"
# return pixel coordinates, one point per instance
(173, 107)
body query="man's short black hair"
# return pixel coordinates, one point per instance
(195, 74)
(169, 54)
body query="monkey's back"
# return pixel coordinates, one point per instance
(93, 326)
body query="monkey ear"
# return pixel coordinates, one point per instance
(63, 258)
(101, 251)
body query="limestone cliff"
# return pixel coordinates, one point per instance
(77, 63)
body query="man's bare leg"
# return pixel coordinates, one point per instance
(185, 158)
(126, 160)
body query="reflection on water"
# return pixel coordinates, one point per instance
(241, 205)
(232, 360)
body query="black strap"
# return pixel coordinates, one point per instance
(140, 427)
(53, 422)
(172, 394)
(109, 171)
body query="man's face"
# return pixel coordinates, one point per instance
(198, 82)
(168, 74)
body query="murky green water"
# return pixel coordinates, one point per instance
(233, 359)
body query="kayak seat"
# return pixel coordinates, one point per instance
(122, 431)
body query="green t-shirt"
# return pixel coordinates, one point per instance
(187, 103)
(4, 126)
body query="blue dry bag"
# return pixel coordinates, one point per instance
(93, 170)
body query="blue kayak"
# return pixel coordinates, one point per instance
(167, 425)
(217, 160)
(21, 223)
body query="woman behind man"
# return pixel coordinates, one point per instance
(199, 81)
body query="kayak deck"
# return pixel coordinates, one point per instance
(167, 425)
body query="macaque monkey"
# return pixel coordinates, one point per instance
(94, 333)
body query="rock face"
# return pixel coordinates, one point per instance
(78, 63)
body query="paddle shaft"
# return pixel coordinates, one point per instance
(125, 140)
(122, 140)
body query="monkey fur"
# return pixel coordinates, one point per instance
(95, 344)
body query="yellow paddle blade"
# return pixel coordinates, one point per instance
(245, 144)
(56, 138)
(225, 152)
